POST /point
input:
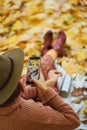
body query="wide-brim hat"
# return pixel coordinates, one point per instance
(11, 64)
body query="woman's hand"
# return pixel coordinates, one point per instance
(41, 83)
(53, 77)
(54, 74)
(28, 91)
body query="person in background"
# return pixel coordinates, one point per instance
(19, 113)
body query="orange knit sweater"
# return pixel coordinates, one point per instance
(29, 115)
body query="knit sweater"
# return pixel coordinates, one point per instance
(53, 114)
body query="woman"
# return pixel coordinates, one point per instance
(17, 113)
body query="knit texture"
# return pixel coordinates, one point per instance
(30, 115)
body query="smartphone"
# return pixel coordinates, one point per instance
(33, 69)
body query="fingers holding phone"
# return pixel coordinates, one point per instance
(41, 84)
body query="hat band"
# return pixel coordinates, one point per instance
(9, 76)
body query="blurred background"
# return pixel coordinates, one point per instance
(23, 24)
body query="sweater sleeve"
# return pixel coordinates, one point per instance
(54, 113)
(62, 111)
(28, 92)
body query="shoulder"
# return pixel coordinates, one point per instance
(27, 109)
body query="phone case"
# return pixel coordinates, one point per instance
(33, 69)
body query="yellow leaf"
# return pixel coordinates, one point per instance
(75, 2)
(50, 11)
(84, 39)
(85, 111)
(81, 55)
(36, 9)
(72, 32)
(34, 20)
(17, 25)
(11, 39)
(21, 45)
(85, 102)
(73, 66)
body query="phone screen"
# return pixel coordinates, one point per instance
(33, 69)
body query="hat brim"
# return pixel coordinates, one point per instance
(17, 57)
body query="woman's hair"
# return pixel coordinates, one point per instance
(13, 96)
